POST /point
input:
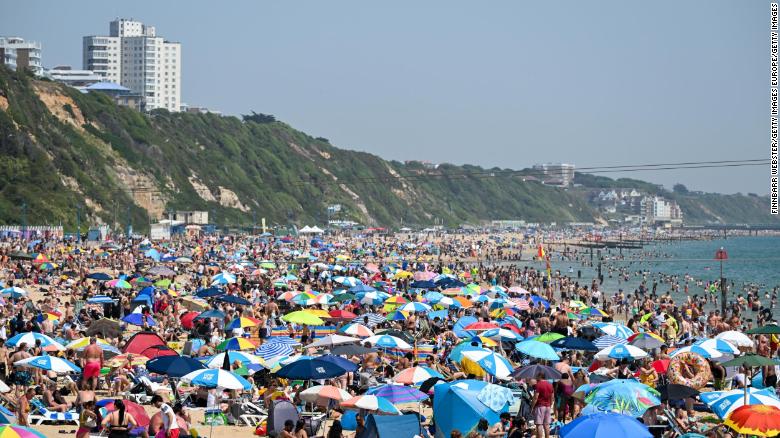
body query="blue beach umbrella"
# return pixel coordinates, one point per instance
(174, 366)
(398, 393)
(270, 350)
(311, 369)
(216, 378)
(605, 424)
(725, 402)
(539, 350)
(210, 292)
(213, 313)
(138, 319)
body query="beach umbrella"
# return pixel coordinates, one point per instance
(340, 298)
(572, 343)
(492, 363)
(49, 363)
(343, 315)
(614, 329)
(174, 366)
(210, 292)
(481, 326)
(99, 276)
(720, 345)
(100, 299)
(371, 403)
(223, 278)
(502, 334)
(415, 307)
(163, 271)
(537, 349)
(234, 299)
(356, 329)
(29, 339)
(674, 391)
(236, 343)
(188, 319)
(218, 360)
(216, 378)
(287, 296)
(373, 298)
(81, 343)
(119, 284)
(138, 319)
(270, 350)
(347, 281)
(16, 431)
(735, 338)
(108, 328)
(646, 340)
(369, 319)
(165, 283)
(398, 393)
(750, 360)
(310, 369)
(387, 341)
(403, 335)
(532, 371)
(769, 329)
(433, 297)
(396, 299)
(548, 337)
(725, 402)
(347, 364)
(14, 292)
(605, 424)
(707, 353)
(213, 313)
(322, 394)
(333, 340)
(608, 341)
(621, 351)
(416, 375)
(303, 317)
(303, 297)
(755, 420)
(624, 396)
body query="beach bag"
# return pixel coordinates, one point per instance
(215, 418)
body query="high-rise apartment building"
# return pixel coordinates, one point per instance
(18, 54)
(135, 57)
(557, 174)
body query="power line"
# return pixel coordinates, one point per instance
(534, 172)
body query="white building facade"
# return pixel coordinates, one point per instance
(20, 54)
(135, 57)
(558, 174)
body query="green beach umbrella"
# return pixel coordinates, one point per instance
(548, 337)
(769, 329)
(751, 360)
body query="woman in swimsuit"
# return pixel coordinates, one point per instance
(119, 422)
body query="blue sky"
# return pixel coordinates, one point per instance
(499, 83)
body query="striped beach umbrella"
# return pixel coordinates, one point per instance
(705, 352)
(119, 284)
(269, 351)
(502, 334)
(493, 363)
(621, 351)
(370, 319)
(415, 307)
(387, 341)
(416, 375)
(724, 403)
(15, 431)
(81, 343)
(718, 345)
(218, 360)
(614, 329)
(371, 403)
(356, 329)
(242, 322)
(398, 393)
(29, 339)
(287, 296)
(608, 341)
(236, 343)
(322, 394)
(223, 278)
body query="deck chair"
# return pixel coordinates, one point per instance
(672, 419)
(39, 415)
(248, 413)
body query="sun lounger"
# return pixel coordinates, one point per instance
(39, 414)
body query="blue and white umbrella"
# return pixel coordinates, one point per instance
(537, 349)
(480, 299)
(223, 278)
(14, 292)
(282, 340)
(719, 345)
(233, 355)
(502, 334)
(725, 402)
(100, 299)
(705, 352)
(373, 319)
(608, 341)
(614, 329)
(493, 363)
(271, 350)
(387, 341)
(374, 298)
(415, 307)
(433, 297)
(621, 351)
(49, 363)
(216, 378)
(29, 338)
(347, 281)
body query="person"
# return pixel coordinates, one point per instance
(647, 373)
(300, 429)
(50, 399)
(482, 428)
(170, 425)
(87, 419)
(287, 432)
(361, 424)
(92, 361)
(23, 406)
(541, 406)
(501, 428)
(336, 430)
(119, 423)
(455, 434)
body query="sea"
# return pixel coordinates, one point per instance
(751, 261)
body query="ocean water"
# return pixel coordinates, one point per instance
(752, 260)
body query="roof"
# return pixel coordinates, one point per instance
(106, 86)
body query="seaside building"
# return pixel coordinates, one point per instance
(656, 209)
(133, 56)
(74, 78)
(194, 217)
(19, 54)
(556, 174)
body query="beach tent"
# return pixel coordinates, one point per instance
(391, 426)
(456, 405)
(281, 411)
(305, 230)
(141, 341)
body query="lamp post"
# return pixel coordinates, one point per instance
(722, 255)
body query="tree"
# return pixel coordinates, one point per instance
(258, 118)
(681, 189)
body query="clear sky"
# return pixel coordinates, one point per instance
(499, 83)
